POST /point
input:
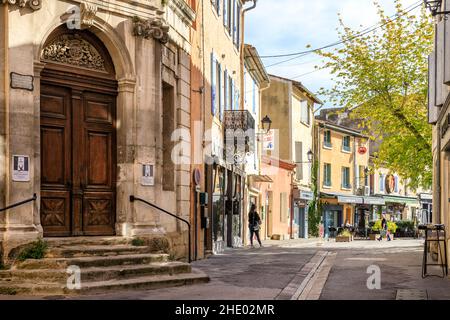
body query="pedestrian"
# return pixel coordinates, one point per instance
(254, 222)
(384, 230)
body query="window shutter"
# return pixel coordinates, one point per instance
(447, 45)
(234, 20)
(232, 95)
(225, 12)
(439, 41)
(220, 90)
(236, 97)
(225, 92)
(213, 84)
(433, 110)
(238, 27)
(254, 97)
(382, 182)
(298, 159)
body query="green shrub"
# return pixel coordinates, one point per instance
(377, 226)
(8, 291)
(35, 250)
(404, 225)
(392, 226)
(138, 242)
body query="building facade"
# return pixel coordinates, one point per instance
(343, 159)
(218, 197)
(90, 94)
(290, 106)
(439, 116)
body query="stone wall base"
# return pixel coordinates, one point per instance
(17, 235)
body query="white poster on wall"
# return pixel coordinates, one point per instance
(21, 168)
(148, 176)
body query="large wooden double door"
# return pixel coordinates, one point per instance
(78, 160)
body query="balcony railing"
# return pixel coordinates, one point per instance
(237, 120)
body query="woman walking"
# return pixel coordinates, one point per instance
(384, 230)
(254, 222)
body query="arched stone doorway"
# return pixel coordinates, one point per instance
(78, 135)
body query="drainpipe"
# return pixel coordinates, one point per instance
(437, 204)
(241, 49)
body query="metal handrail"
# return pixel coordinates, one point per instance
(133, 198)
(19, 203)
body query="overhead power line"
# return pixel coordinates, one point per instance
(361, 33)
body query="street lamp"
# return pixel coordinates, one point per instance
(434, 6)
(266, 121)
(309, 154)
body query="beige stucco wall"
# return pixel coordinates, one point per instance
(302, 132)
(276, 103)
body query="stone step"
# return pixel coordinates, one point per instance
(96, 273)
(95, 250)
(141, 282)
(91, 240)
(84, 262)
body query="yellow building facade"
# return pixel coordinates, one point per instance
(343, 158)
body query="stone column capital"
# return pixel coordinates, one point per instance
(151, 28)
(32, 4)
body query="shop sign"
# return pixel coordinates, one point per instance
(269, 140)
(21, 168)
(306, 195)
(389, 183)
(362, 150)
(344, 199)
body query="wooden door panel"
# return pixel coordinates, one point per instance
(55, 213)
(53, 106)
(98, 209)
(98, 162)
(53, 157)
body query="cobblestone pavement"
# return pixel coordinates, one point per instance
(306, 270)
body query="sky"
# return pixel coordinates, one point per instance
(286, 26)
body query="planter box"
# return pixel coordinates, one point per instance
(344, 238)
(375, 236)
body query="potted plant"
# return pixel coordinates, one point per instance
(376, 228)
(344, 236)
(392, 227)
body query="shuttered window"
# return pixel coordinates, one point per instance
(327, 138)
(345, 178)
(283, 207)
(382, 182)
(299, 159)
(213, 84)
(327, 174)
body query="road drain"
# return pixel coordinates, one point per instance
(411, 294)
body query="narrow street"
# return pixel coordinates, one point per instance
(304, 269)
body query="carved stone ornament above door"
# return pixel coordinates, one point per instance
(152, 28)
(33, 4)
(73, 50)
